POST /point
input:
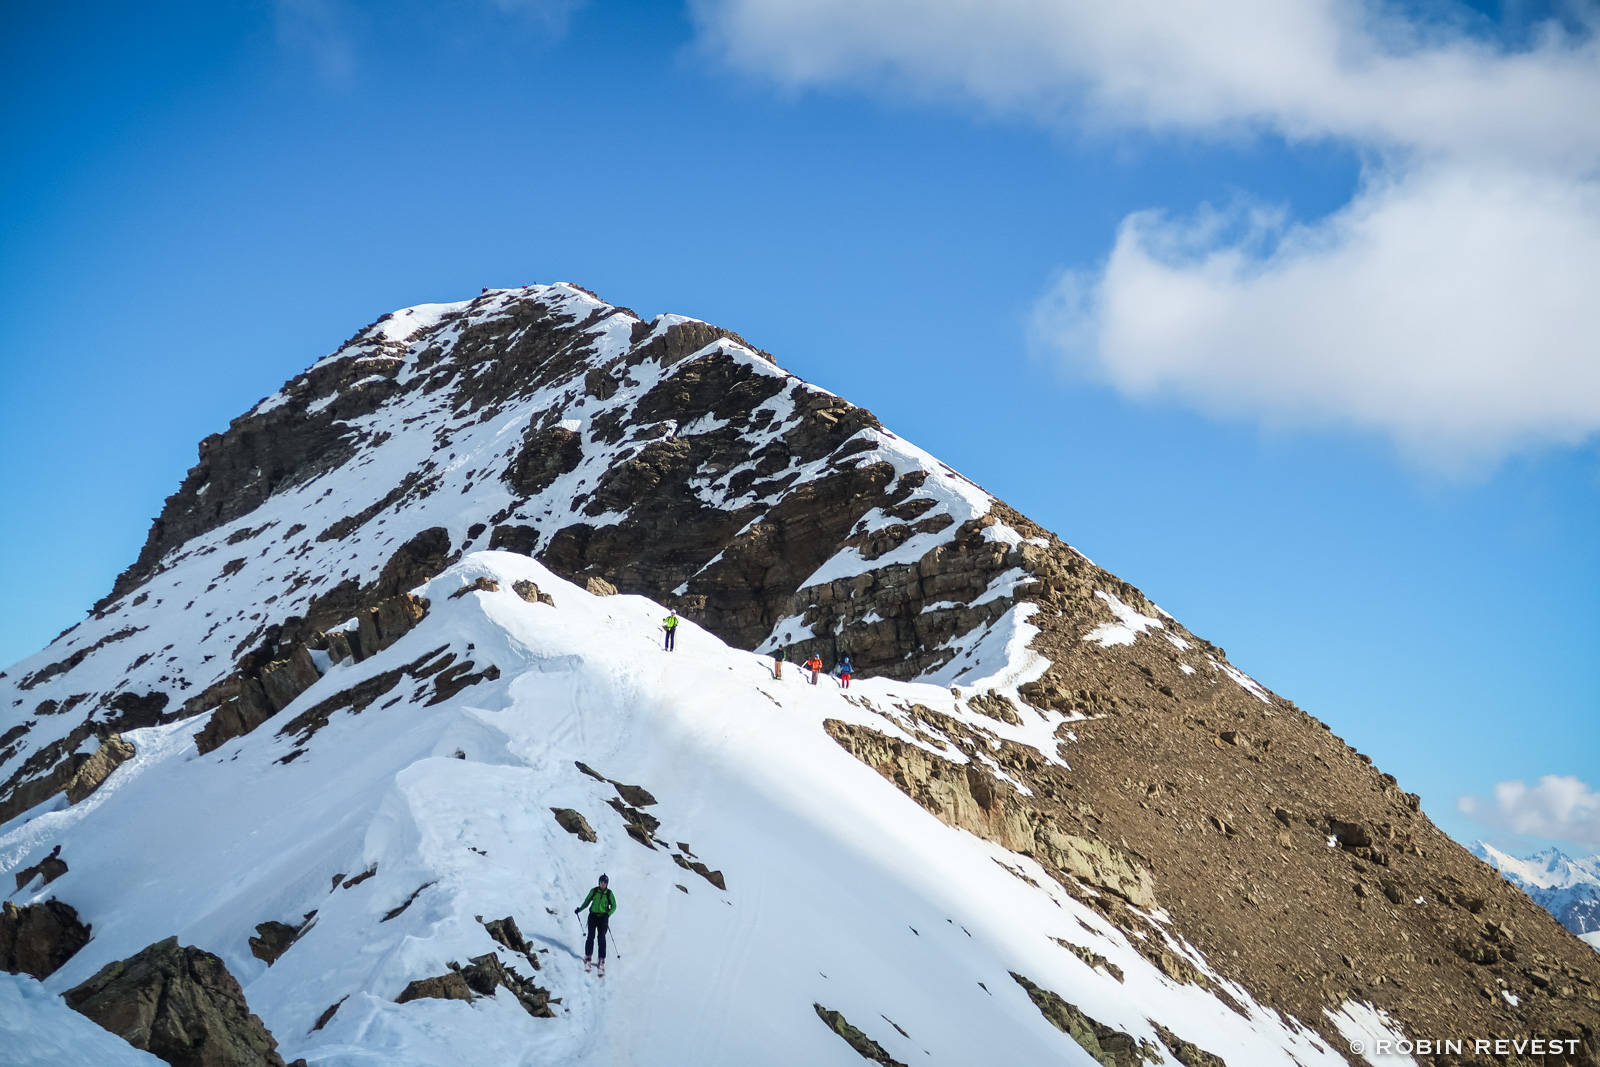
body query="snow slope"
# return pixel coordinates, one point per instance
(38, 1030)
(841, 891)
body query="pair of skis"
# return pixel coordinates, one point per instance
(590, 965)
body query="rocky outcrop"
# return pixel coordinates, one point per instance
(287, 678)
(251, 696)
(547, 454)
(574, 823)
(112, 753)
(274, 938)
(532, 594)
(39, 938)
(865, 1047)
(45, 772)
(1187, 1052)
(50, 868)
(970, 798)
(448, 986)
(1106, 1045)
(481, 977)
(506, 932)
(181, 1005)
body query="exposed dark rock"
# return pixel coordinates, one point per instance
(599, 586)
(574, 823)
(635, 795)
(1092, 958)
(112, 753)
(546, 455)
(864, 1045)
(482, 976)
(453, 680)
(242, 712)
(39, 938)
(273, 938)
(714, 877)
(356, 699)
(1186, 1052)
(1106, 1045)
(396, 911)
(964, 796)
(995, 706)
(357, 879)
(448, 986)
(327, 1015)
(506, 932)
(419, 560)
(523, 539)
(51, 867)
(179, 1004)
(131, 711)
(640, 827)
(44, 773)
(532, 593)
(54, 670)
(485, 974)
(286, 679)
(480, 584)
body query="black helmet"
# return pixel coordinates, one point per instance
(603, 878)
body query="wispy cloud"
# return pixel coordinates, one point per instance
(316, 29)
(326, 31)
(1445, 304)
(1561, 808)
(553, 15)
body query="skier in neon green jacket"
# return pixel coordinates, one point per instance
(602, 904)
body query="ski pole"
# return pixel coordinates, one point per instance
(615, 951)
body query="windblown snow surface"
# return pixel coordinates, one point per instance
(840, 890)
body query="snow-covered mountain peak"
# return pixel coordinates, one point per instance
(395, 606)
(1567, 888)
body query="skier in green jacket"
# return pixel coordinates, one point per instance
(670, 624)
(602, 904)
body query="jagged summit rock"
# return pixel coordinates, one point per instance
(396, 607)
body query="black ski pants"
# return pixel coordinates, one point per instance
(670, 635)
(597, 926)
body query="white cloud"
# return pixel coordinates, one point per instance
(1454, 309)
(316, 28)
(1561, 808)
(1445, 305)
(553, 14)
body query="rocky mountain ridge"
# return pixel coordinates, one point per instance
(1087, 731)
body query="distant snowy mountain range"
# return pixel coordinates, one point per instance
(1567, 888)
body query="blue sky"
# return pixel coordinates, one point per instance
(1299, 364)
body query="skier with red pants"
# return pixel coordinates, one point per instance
(602, 904)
